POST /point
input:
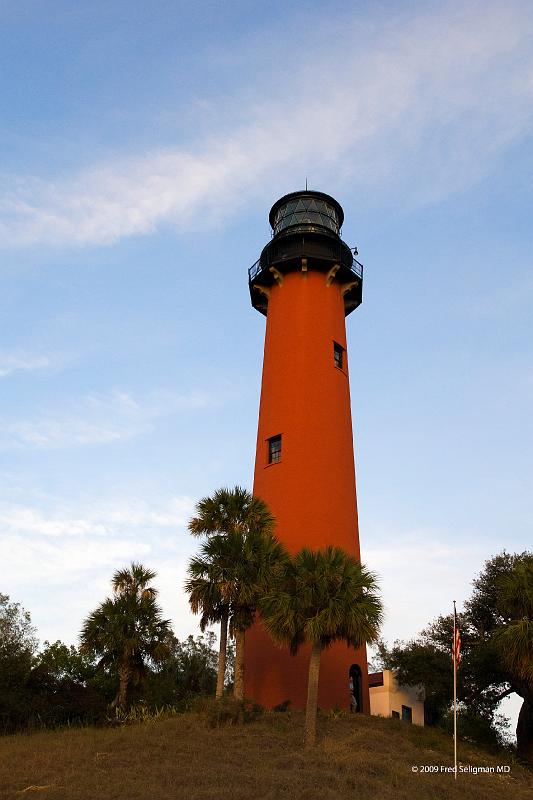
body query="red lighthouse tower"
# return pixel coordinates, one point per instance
(306, 282)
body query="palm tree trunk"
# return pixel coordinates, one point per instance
(238, 687)
(124, 674)
(312, 695)
(222, 653)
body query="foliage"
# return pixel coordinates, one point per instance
(514, 639)
(66, 662)
(140, 714)
(126, 632)
(63, 702)
(491, 730)
(196, 663)
(497, 653)
(17, 634)
(190, 671)
(235, 566)
(62, 685)
(422, 662)
(17, 649)
(230, 510)
(499, 616)
(250, 561)
(427, 661)
(45, 689)
(321, 597)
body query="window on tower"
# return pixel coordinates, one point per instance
(338, 355)
(274, 449)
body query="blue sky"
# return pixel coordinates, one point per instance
(142, 148)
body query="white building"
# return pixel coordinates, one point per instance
(389, 699)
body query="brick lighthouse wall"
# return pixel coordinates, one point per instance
(311, 491)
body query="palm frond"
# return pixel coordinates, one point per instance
(323, 596)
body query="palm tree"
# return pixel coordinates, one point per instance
(261, 560)
(515, 638)
(228, 510)
(229, 576)
(133, 582)
(212, 582)
(324, 596)
(208, 587)
(126, 632)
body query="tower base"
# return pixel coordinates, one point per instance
(273, 676)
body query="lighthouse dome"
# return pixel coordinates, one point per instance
(306, 208)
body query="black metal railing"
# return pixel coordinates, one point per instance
(254, 270)
(263, 264)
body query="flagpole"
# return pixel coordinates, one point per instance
(454, 692)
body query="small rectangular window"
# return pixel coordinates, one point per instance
(338, 355)
(407, 713)
(274, 449)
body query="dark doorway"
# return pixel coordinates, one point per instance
(356, 693)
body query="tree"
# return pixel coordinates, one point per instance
(500, 616)
(66, 662)
(497, 654)
(233, 570)
(324, 596)
(196, 666)
(427, 660)
(189, 671)
(515, 639)
(233, 513)
(421, 662)
(126, 632)
(65, 688)
(18, 645)
(230, 510)
(208, 587)
(262, 558)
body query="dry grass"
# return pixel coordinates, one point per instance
(357, 757)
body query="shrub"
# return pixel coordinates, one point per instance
(140, 713)
(227, 711)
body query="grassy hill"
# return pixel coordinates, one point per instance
(180, 757)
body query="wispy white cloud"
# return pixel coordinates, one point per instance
(66, 555)
(172, 514)
(26, 558)
(15, 362)
(424, 104)
(422, 569)
(35, 359)
(127, 515)
(51, 434)
(20, 520)
(100, 418)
